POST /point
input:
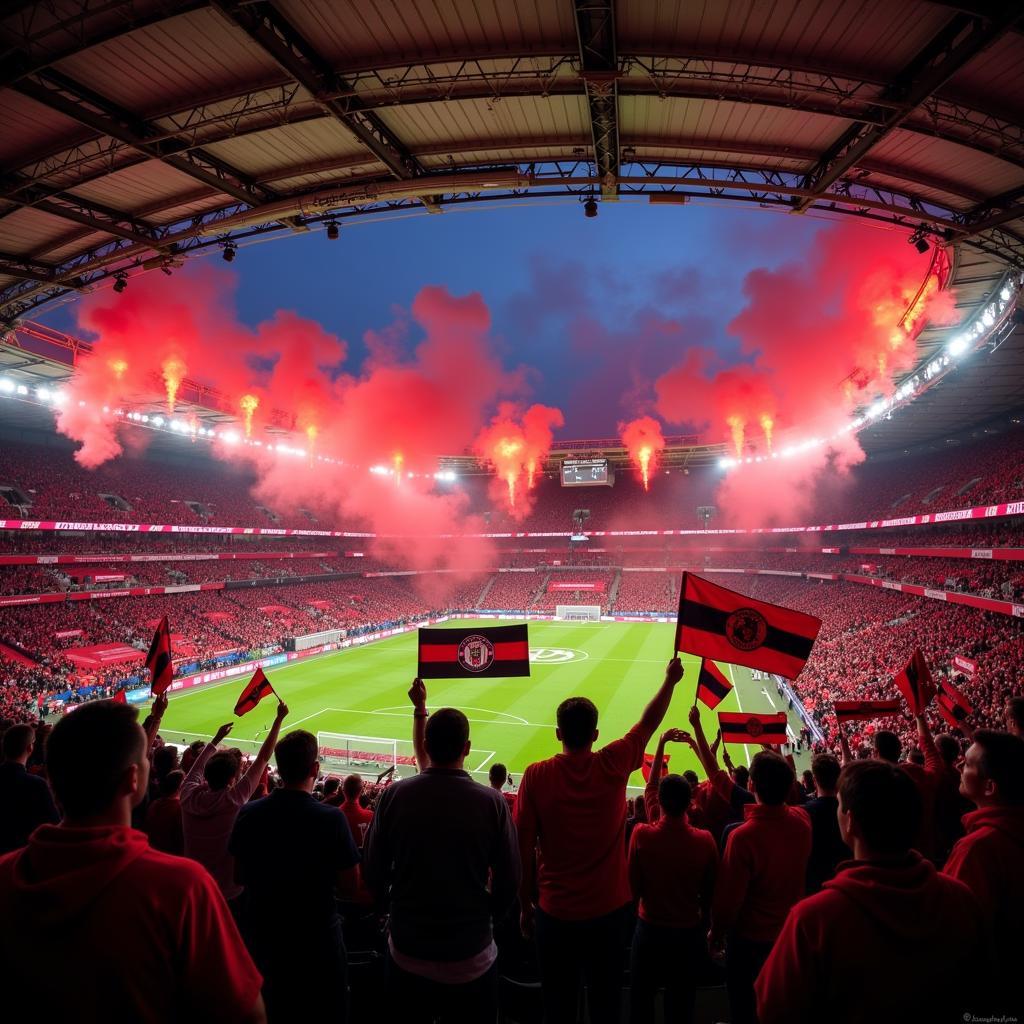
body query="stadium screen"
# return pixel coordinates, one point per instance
(586, 473)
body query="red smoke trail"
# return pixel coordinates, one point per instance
(644, 441)
(819, 339)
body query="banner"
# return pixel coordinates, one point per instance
(712, 686)
(856, 710)
(738, 727)
(915, 683)
(596, 587)
(490, 652)
(964, 664)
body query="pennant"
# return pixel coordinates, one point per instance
(721, 624)
(256, 689)
(486, 653)
(915, 683)
(952, 713)
(739, 727)
(712, 686)
(648, 766)
(855, 710)
(158, 661)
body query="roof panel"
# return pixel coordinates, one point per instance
(136, 187)
(28, 129)
(387, 32)
(31, 232)
(161, 67)
(994, 79)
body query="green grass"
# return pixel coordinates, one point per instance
(362, 691)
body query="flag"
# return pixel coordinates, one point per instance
(952, 713)
(721, 624)
(158, 661)
(648, 766)
(739, 727)
(955, 696)
(471, 651)
(853, 710)
(915, 683)
(712, 686)
(386, 774)
(255, 690)
(121, 697)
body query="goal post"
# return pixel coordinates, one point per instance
(578, 612)
(346, 753)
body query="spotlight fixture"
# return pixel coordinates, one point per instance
(120, 282)
(590, 208)
(332, 229)
(919, 241)
(229, 253)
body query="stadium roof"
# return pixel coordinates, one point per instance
(134, 133)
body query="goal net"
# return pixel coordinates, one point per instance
(578, 612)
(344, 753)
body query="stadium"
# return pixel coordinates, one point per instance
(512, 512)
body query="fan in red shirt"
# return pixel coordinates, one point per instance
(497, 776)
(988, 859)
(357, 816)
(763, 872)
(571, 818)
(889, 938)
(672, 869)
(93, 885)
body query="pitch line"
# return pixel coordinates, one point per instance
(384, 712)
(462, 707)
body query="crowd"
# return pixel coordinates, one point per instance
(873, 887)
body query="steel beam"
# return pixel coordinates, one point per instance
(599, 69)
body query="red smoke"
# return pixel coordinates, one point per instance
(516, 446)
(644, 442)
(820, 339)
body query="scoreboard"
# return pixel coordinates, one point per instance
(586, 473)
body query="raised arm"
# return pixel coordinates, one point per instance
(656, 710)
(708, 760)
(252, 777)
(418, 697)
(151, 725)
(926, 742)
(651, 799)
(844, 747)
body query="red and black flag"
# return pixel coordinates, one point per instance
(158, 661)
(472, 651)
(648, 766)
(712, 686)
(739, 727)
(952, 705)
(915, 683)
(255, 690)
(856, 710)
(721, 624)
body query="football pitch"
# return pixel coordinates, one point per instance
(362, 691)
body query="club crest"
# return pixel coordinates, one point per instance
(746, 629)
(476, 653)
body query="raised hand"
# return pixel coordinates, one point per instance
(160, 705)
(674, 671)
(418, 694)
(222, 732)
(282, 710)
(694, 716)
(676, 736)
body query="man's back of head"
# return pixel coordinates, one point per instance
(825, 770)
(674, 795)
(222, 769)
(887, 746)
(692, 778)
(352, 787)
(447, 738)
(18, 742)
(297, 759)
(741, 776)
(497, 775)
(948, 748)
(90, 755)
(331, 786)
(577, 723)
(879, 809)
(771, 778)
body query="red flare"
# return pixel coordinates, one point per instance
(174, 370)
(249, 404)
(643, 440)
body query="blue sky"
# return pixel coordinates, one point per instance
(596, 308)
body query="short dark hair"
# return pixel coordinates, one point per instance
(1002, 761)
(692, 778)
(352, 786)
(1016, 710)
(825, 770)
(948, 748)
(17, 741)
(771, 776)
(884, 801)
(741, 776)
(446, 735)
(171, 782)
(88, 753)
(497, 774)
(674, 795)
(222, 768)
(577, 720)
(887, 746)
(331, 785)
(296, 754)
(165, 759)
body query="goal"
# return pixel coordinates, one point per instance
(578, 612)
(345, 753)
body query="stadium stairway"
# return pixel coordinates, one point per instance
(482, 596)
(613, 591)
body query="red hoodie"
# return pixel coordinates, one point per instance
(131, 934)
(880, 942)
(989, 860)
